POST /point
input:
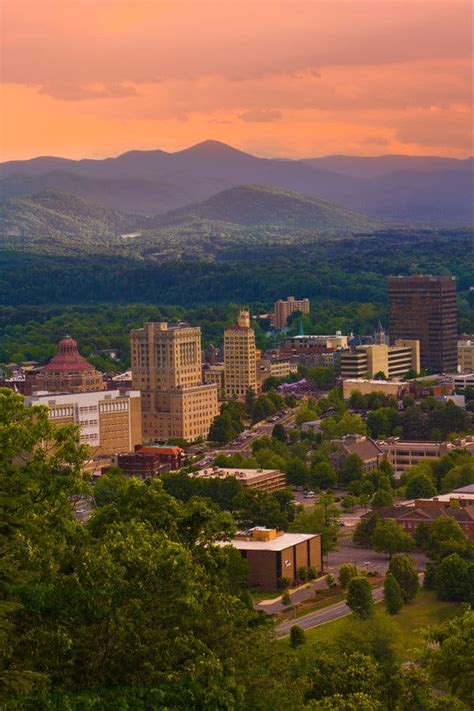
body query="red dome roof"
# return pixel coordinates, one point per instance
(68, 358)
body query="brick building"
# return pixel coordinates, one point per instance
(150, 462)
(272, 555)
(283, 309)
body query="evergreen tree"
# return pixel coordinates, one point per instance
(297, 636)
(392, 594)
(403, 570)
(359, 597)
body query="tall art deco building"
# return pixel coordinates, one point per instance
(240, 358)
(166, 368)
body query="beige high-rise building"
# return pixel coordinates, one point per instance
(240, 358)
(283, 309)
(166, 368)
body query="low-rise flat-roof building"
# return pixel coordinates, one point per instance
(403, 455)
(150, 462)
(397, 388)
(263, 479)
(273, 555)
(461, 381)
(109, 420)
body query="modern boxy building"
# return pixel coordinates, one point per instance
(423, 307)
(166, 369)
(263, 479)
(283, 309)
(109, 421)
(273, 555)
(240, 358)
(403, 454)
(393, 361)
(466, 356)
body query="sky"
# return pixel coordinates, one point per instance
(286, 78)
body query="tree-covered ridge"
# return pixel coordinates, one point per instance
(267, 205)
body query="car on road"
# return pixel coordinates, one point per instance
(309, 495)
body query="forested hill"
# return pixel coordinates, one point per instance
(55, 222)
(266, 205)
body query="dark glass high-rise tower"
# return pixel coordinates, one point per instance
(423, 307)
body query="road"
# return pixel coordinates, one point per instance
(327, 614)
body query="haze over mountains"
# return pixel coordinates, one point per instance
(412, 189)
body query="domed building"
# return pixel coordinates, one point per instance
(68, 372)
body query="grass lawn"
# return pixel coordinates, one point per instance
(425, 610)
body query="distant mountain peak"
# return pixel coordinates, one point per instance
(212, 149)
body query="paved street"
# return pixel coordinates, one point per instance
(327, 614)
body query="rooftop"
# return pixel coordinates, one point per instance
(284, 540)
(68, 358)
(241, 474)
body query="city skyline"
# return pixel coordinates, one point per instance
(279, 79)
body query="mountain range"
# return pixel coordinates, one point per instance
(412, 189)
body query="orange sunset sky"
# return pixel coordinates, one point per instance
(287, 78)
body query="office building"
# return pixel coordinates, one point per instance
(263, 479)
(466, 356)
(109, 421)
(214, 373)
(424, 308)
(273, 555)
(283, 309)
(409, 516)
(403, 455)
(240, 358)
(66, 372)
(166, 369)
(393, 361)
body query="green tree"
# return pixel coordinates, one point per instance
(278, 432)
(297, 637)
(445, 536)
(359, 597)
(365, 529)
(403, 570)
(352, 468)
(392, 594)
(450, 655)
(420, 486)
(381, 498)
(109, 487)
(389, 537)
(454, 579)
(347, 571)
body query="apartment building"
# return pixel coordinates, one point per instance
(273, 555)
(393, 361)
(240, 358)
(167, 370)
(283, 309)
(263, 479)
(423, 308)
(109, 421)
